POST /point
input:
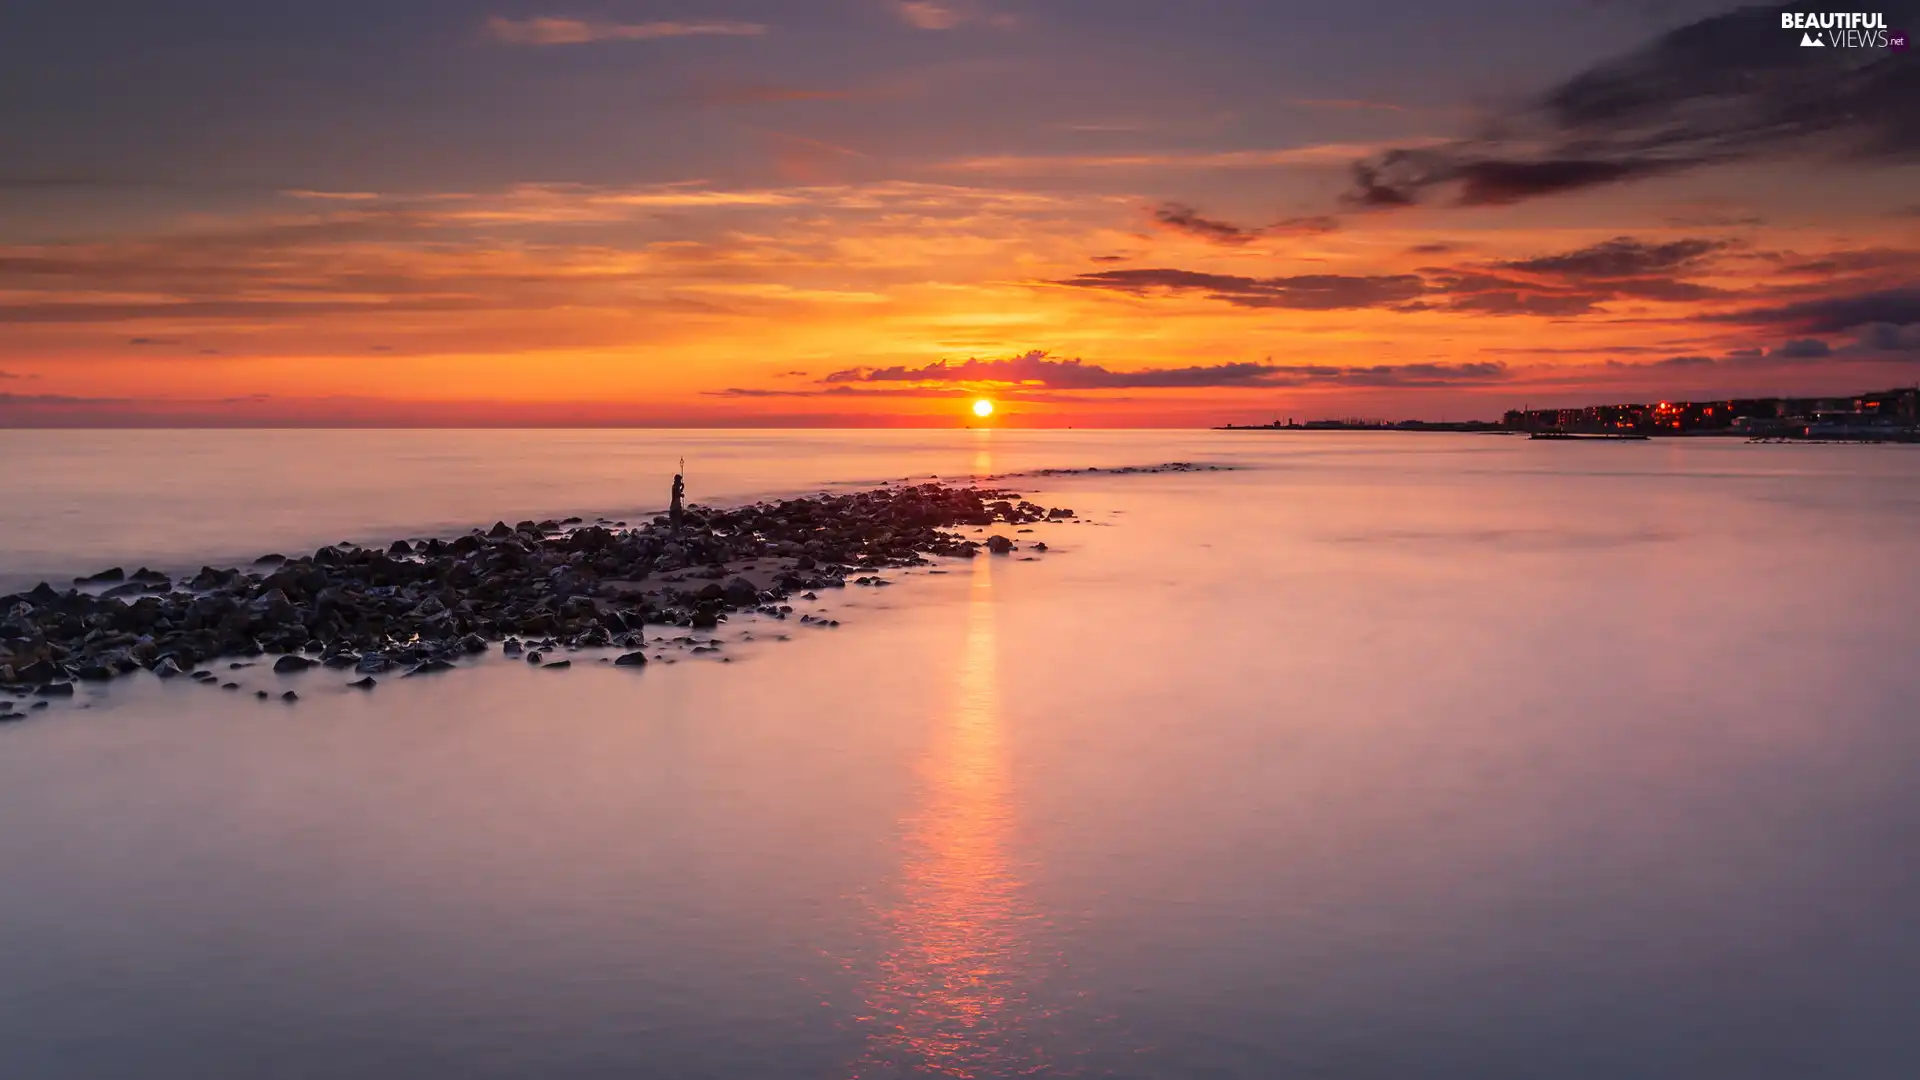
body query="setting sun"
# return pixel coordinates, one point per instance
(983, 408)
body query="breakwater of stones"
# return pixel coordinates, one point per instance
(415, 608)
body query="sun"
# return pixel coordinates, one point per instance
(983, 408)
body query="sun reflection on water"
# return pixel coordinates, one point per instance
(949, 997)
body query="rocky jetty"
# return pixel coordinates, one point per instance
(415, 608)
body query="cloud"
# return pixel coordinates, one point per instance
(1037, 369)
(16, 375)
(926, 15)
(1724, 89)
(1311, 154)
(947, 14)
(1803, 349)
(1621, 257)
(1899, 307)
(1181, 218)
(154, 341)
(1306, 292)
(548, 30)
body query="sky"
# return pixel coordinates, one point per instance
(1096, 213)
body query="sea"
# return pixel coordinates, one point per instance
(1366, 755)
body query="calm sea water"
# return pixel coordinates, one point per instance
(1379, 757)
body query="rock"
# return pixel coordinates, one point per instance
(474, 643)
(1041, 546)
(58, 689)
(429, 667)
(289, 696)
(499, 531)
(40, 671)
(632, 659)
(512, 647)
(400, 547)
(269, 560)
(291, 663)
(740, 593)
(166, 668)
(557, 665)
(998, 544)
(104, 577)
(94, 673)
(150, 577)
(37, 705)
(229, 686)
(535, 657)
(261, 694)
(366, 683)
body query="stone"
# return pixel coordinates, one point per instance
(166, 668)
(632, 659)
(429, 667)
(291, 663)
(999, 545)
(57, 689)
(289, 696)
(366, 683)
(261, 694)
(104, 577)
(557, 665)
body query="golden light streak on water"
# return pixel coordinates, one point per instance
(949, 998)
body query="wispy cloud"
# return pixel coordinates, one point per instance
(1184, 219)
(1037, 368)
(1317, 154)
(550, 30)
(948, 14)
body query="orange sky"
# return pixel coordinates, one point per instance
(841, 272)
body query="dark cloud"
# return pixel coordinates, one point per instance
(1835, 314)
(15, 375)
(1670, 363)
(1440, 248)
(1038, 369)
(1111, 258)
(1180, 218)
(1803, 349)
(1306, 292)
(153, 341)
(1887, 337)
(1621, 257)
(1728, 88)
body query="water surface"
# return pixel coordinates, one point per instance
(1381, 756)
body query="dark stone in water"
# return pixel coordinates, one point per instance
(289, 696)
(291, 663)
(58, 689)
(998, 544)
(229, 686)
(632, 659)
(269, 560)
(366, 683)
(104, 577)
(429, 667)
(559, 665)
(261, 694)
(166, 668)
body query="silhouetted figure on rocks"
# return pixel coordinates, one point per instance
(674, 513)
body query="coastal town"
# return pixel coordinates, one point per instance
(1880, 416)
